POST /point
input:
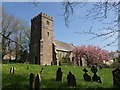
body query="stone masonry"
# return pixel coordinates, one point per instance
(42, 37)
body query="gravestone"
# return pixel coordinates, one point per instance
(116, 77)
(95, 77)
(59, 75)
(71, 80)
(37, 82)
(41, 71)
(59, 63)
(31, 81)
(86, 76)
(12, 70)
(39, 77)
(94, 69)
(52, 63)
(27, 67)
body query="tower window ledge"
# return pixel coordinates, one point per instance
(41, 40)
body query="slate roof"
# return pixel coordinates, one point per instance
(63, 46)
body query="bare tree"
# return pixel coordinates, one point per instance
(26, 38)
(12, 34)
(8, 22)
(99, 12)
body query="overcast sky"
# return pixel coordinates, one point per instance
(26, 11)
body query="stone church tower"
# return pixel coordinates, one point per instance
(42, 49)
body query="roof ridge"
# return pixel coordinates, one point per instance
(63, 45)
(63, 42)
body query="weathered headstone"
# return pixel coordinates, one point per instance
(41, 71)
(12, 70)
(27, 67)
(59, 63)
(116, 77)
(71, 80)
(59, 75)
(86, 76)
(51, 63)
(37, 83)
(94, 69)
(39, 77)
(31, 81)
(96, 78)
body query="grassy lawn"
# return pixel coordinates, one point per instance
(21, 78)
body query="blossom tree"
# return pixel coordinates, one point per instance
(91, 54)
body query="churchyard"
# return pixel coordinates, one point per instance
(20, 78)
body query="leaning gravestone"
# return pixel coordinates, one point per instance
(37, 82)
(116, 77)
(39, 77)
(86, 76)
(95, 77)
(31, 81)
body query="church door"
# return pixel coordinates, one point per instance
(35, 59)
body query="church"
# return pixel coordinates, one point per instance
(44, 50)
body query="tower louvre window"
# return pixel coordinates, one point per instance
(48, 23)
(48, 33)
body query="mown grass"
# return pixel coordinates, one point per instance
(20, 80)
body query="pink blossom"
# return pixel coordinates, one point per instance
(91, 53)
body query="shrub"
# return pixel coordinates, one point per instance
(103, 65)
(66, 61)
(5, 61)
(115, 64)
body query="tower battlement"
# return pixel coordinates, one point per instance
(43, 15)
(46, 16)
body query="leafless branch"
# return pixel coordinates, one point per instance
(68, 10)
(99, 12)
(10, 40)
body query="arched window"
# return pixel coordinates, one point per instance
(48, 33)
